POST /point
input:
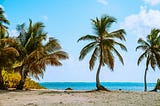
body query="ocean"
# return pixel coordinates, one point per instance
(126, 86)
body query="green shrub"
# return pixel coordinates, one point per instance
(12, 79)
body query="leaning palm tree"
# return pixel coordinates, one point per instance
(3, 23)
(151, 48)
(8, 55)
(35, 54)
(103, 45)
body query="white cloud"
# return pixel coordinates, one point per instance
(104, 2)
(141, 24)
(45, 18)
(152, 2)
(13, 33)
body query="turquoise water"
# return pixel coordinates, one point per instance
(127, 86)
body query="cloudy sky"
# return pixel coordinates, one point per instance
(67, 20)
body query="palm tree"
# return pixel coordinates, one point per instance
(151, 48)
(7, 51)
(8, 55)
(103, 45)
(3, 28)
(35, 54)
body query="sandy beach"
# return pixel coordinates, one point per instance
(78, 98)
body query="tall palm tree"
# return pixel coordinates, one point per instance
(151, 48)
(3, 23)
(35, 54)
(103, 45)
(8, 55)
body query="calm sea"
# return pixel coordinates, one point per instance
(128, 86)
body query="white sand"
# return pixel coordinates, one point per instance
(60, 98)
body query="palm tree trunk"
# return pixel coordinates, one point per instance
(97, 76)
(2, 84)
(23, 74)
(145, 81)
(98, 85)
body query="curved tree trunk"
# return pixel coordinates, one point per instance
(23, 74)
(2, 84)
(97, 77)
(98, 85)
(145, 81)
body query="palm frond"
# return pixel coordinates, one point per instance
(119, 55)
(10, 51)
(110, 59)
(143, 47)
(142, 57)
(123, 47)
(3, 18)
(109, 20)
(87, 49)
(118, 34)
(158, 61)
(153, 61)
(93, 58)
(60, 55)
(142, 42)
(88, 37)
(52, 45)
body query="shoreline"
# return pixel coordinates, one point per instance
(45, 97)
(129, 86)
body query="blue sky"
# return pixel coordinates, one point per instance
(67, 20)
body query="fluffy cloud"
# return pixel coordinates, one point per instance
(152, 2)
(104, 2)
(141, 23)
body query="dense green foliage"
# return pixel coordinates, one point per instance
(12, 79)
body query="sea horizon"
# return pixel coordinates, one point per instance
(126, 86)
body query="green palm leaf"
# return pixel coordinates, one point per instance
(87, 49)
(93, 58)
(118, 34)
(88, 37)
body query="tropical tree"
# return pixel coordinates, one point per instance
(35, 53)
(7, 51)
(8, 55)
(151, 48)
(3, 23)
(103, 45)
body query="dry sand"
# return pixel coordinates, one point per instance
(78, 98)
